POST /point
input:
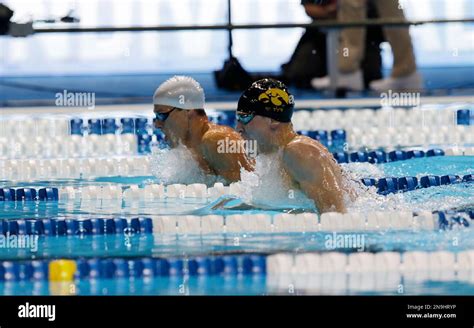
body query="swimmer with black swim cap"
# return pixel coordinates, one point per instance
(179, 113)
(264, 114)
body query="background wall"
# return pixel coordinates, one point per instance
(201, 51)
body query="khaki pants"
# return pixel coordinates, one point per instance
(352, 41)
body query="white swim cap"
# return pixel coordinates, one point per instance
(180, 91)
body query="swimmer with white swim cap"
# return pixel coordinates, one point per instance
(179, 113)
(264, 114)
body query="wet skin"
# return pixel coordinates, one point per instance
(307, 164)
(202, 138)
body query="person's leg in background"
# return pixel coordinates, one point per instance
(352, 40)
(351, 49)
(308, 60)
(371, 64)
(404, 74)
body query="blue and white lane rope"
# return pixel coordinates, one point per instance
(74, 227)
(459, 263)
(96, 146)
(89, 160)
(240, 223)
(108, 268)
(380, 156)
(138, 125)
(397, 127)
(126, 122)
(154, 191)
(403, 184)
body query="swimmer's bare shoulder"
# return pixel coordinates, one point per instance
(217, 132)
(313, 168)
(302, 146)
(226, 164)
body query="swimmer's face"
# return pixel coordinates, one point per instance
(257, 129)
(175, 123)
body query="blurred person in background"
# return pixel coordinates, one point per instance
(7, 27)
(309, 58)
(352, 49)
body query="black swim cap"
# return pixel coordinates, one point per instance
(269, 98)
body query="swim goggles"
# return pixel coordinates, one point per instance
(245, 118)
(163, 116)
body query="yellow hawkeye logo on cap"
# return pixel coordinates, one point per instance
(276, 96)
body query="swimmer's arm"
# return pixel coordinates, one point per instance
(227, 165)
(319, 181)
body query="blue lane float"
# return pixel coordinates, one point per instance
(449, 179)
(29, 194)
(434, 152)
(341, 157)
(26, 194)
(397, 155)
(141, 125)
(75, 227)
(407, 183)
(94, 126)
(468, 178)
(430, 181)
(380, 156)
(360, 156)
(415, 154)
(320, 135)
(465, 116)
(127, 125)
(7, 194)
(449, 219)
(105, 268)
(387, 185)
(77, 126)
(402, 184)
(144, 141)
(377, 156)
(48, 194)
(109, 126)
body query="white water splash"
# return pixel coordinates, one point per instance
(357, 171)
(265, 186)
(177, 165)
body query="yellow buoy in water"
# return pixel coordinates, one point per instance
(62, 270)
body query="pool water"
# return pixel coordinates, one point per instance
(457, 196)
